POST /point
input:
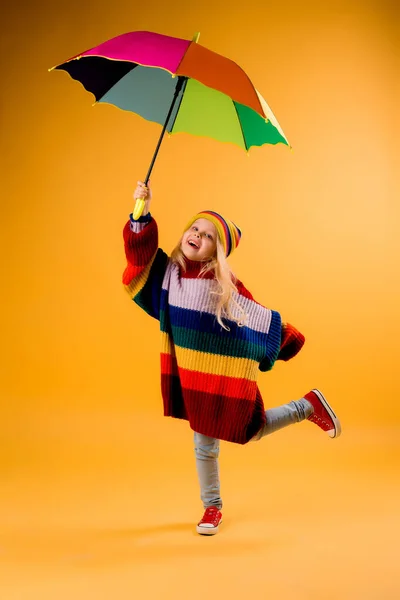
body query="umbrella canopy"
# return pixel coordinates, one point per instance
(138, 72)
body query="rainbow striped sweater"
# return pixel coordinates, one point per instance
(208, 374)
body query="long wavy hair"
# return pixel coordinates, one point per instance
(227, 306)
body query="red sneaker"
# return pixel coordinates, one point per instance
(323, 415)
(211, 520)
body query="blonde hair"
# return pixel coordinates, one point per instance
(226, 280)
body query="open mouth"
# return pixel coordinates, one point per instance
(193, 244)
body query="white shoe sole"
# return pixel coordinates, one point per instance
(333, 433)
(207, 530)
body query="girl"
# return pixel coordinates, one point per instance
(214, 339)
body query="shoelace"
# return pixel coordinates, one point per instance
(321, 422)
(211, 515)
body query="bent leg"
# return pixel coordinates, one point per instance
(282, 416)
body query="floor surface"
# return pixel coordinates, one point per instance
(104, 506)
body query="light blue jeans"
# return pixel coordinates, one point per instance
(207, 448)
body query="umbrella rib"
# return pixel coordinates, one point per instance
(241, 128)
(180, 102)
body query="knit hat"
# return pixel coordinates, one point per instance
(228, 232)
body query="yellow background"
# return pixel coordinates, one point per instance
(99, 493)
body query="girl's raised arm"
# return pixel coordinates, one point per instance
(146, 263)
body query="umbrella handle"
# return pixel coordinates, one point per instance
(140, 204)
(139, 207)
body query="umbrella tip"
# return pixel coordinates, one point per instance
(196, 36)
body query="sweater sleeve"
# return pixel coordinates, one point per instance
(285, 340)
(146, 264)
(267, 325)
(291, 343)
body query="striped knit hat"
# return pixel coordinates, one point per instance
(228, 232)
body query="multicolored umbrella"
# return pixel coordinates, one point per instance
(181, 85)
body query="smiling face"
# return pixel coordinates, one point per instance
(199, 242)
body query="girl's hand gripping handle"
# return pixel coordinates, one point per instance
(142, 195)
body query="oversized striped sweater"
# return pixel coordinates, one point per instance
(208, 374)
